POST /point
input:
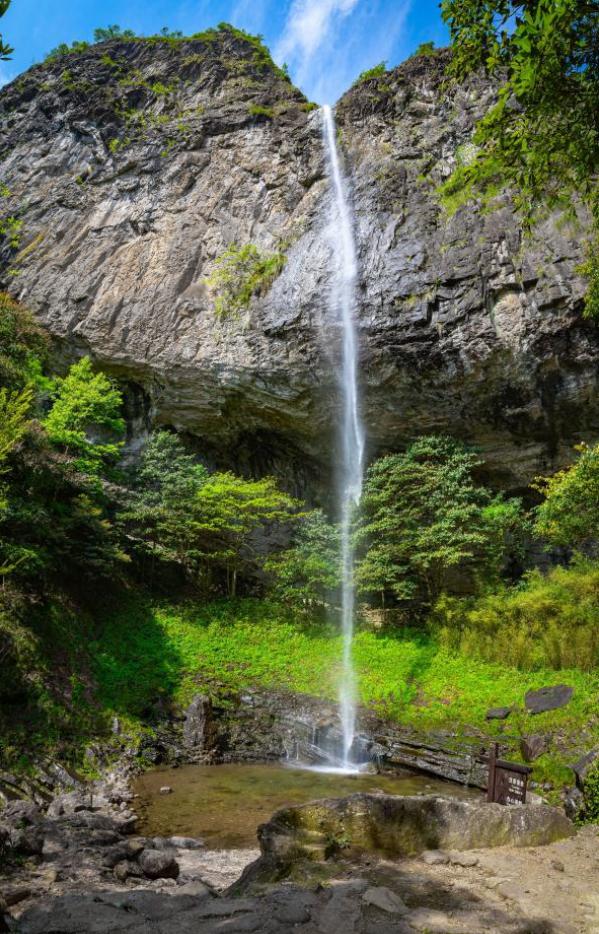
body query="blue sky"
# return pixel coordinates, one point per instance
(326, 43)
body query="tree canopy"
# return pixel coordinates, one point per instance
(569, 515)
(542, 136)
(5, 49)
(424, 516)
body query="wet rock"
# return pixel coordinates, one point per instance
(533, 746)
(498, 713)
(550, 698)
(159, 864)
(199, 730)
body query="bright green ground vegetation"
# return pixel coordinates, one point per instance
(240, 273)
(139, 655)
(87, 545)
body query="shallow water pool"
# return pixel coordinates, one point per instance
(224, 804)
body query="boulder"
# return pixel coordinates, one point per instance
(127, 869)
(498, 713)
(26, 840)
(534, 746)
(385, 899)
(395, 827)
(21, 813)
(550, 698)
(159, 864)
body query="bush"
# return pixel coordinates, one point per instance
(376, 72)
(240, 273)
(548, 621)
(591, 794)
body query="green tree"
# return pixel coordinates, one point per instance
(112, 32)
(569, 515)
(5, 50)
(542, 136)
(84, 419)
(423, 517)
(308, 572)
(160, 513)
(229, 511)
(23, 345)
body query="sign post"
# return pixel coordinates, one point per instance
(507, 780)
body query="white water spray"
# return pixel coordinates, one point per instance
(343, 302)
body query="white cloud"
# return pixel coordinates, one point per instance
(309, 25)
(327, 43)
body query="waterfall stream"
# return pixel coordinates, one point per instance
(343, 306)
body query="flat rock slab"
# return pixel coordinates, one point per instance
(550, 698)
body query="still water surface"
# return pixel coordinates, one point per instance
(224, 804)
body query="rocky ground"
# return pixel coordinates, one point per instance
(83, 869)
(543, 890)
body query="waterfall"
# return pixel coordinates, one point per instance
(343, 305)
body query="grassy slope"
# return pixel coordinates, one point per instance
(146, 650)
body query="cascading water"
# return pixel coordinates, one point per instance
(343, 304)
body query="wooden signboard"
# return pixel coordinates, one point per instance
(507, 780)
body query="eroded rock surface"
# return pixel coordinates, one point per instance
(135, 164)
(395, 827)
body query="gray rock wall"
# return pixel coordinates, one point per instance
(465, 325)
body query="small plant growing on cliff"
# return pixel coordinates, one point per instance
(376, 72)
(240, 273)
(257, 110)
(426, 48)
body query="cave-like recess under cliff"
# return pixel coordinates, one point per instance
(134, 164)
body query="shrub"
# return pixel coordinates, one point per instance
(240, 273)
(548, 621)
(569, 517)
(426, 48)
(591, 794)
(257, 110)
(376, 72)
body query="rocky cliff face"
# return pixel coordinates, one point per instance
(134, 165)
